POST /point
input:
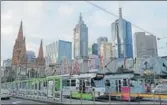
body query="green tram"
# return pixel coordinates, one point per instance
(82, 86)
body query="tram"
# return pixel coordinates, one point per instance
(75, 86)
(124, 83)
(84, 86)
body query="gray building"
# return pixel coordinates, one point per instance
(95, 49)
(51, 53)
(7, 63)
(80, 39)
(145, 45)
(122, 37)
(101, 40)
(56, 52)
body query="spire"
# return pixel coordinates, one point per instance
(40, 54)
(120, 12)
(23, 55)
(80, 18)
(20, 34)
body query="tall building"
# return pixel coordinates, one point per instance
(51, 53)
(101, 40)
(80, 39)
(90, 50)
(95, 49)
(145, 45)
(122, 37)
(56, 52)
(106, 50)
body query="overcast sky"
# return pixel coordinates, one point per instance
(55, 20)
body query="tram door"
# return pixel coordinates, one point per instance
(50, 88)
(118, 85)
(82, 86)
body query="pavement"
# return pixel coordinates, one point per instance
(18, 101)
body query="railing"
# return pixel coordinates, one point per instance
(91, 98)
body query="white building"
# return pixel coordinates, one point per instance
(80, 39)
(101, 40)
(106, 50)
(145, 45)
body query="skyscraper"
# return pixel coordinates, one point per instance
(95, 49)
(122, 37)
(145, 45)
(101, 40)
(80, 39)
(56, 52)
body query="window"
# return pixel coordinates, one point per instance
(87, 83)
(73, 82)
(107, 83)
(125, 82)
(92, 83)
(35, 86)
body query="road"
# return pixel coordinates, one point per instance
(22, 101)
(19, 101)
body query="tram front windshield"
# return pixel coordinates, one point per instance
(97, 81)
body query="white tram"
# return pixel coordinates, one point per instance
(83, 85)
(123, 83)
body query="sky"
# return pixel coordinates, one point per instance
(54, 20)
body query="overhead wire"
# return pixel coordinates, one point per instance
(118, 17)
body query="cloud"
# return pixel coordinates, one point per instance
(55, 20)
(65, 10)
(32, 47)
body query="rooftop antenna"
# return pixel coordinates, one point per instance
(120, 9)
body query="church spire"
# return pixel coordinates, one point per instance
(40, 58)
(20, 34)
(23, 55)
(40, 54)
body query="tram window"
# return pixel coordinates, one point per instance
(87, 83)
(107, 83)
(45, 84)
(125, 82)
(68, 82)
(73, 82)
(35, 86)
(40, 86)
(92, 83)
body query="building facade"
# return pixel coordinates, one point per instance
(7, 63)
(58, 51)
(51, 52)
(20, 64)
(145, 45)
(106, 50)
(101, 40)
(64, 50)
(80, 39)
(122, 38)
(95, 49)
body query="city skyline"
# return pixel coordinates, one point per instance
(62, 27)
